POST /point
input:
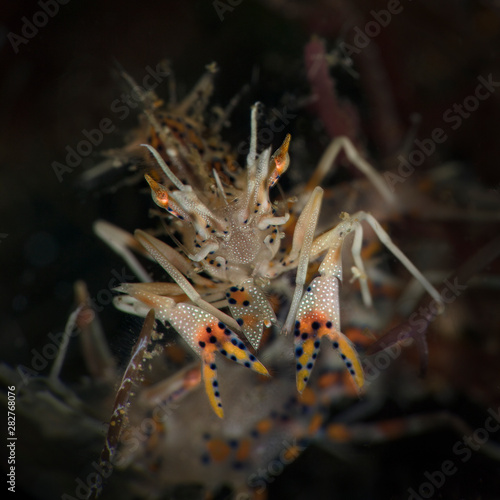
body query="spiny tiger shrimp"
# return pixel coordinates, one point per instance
(235, 245)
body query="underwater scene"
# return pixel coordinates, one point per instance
(250, 249)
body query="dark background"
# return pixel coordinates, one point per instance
(64, 81)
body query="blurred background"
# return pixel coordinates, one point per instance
(63, 79)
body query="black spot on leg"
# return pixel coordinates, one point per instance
(335, 345)
(316, 325)
(239, 321)
(209, 330)
(201, 344)
(304, 336)
(213, 339)
(246, 303)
